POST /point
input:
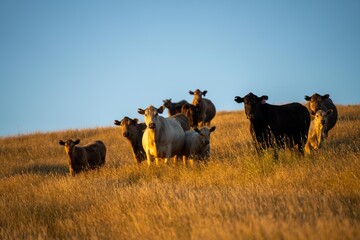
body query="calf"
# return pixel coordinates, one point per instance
(207, 110)
(173, 108)
(133, 132)
(316, 130)
(317, 102)
(163, 137)
(197, 144)
(86, 157)
(276, 125)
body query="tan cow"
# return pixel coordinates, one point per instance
(207, 110)
(317, 102)
(197, 144)
(133, 132)
(86, 157)
(163, 137)
(316, 130)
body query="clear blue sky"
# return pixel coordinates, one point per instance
(79, 64)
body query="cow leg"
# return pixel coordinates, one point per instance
(307, 147)
(276, 153)
(148, 157)
(184, 158)
(175, 158)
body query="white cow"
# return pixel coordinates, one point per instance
(197, 144)
(317, 129)
(163, 137)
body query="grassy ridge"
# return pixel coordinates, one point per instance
(237, 195)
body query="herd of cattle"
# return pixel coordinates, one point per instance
(186, 132)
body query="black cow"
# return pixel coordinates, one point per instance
(133, 131)
(276, 126)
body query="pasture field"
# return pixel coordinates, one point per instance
(236, 195)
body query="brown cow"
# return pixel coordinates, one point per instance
(133, 131)
(173, 108)
(192, 113)
(86, 157)
(207, 110)
(317, 102)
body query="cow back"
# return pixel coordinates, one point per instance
(95, 153)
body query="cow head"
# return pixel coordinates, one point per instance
(321, 117)
(69, 145)
(167, 103)
(125, 126)
(204, 133)
(197, 96)
(192, 113)
(151, 115)
(250, 101)
(316, 101)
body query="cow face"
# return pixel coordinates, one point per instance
(126, 125)
(204, 133)
(250, 101)
(197, 96)
(167, 103)
(151, 115)
(321, 117)
(316, 101)
(69, 145)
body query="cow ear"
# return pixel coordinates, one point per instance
(204, 93)
(61, 142)
(116, 122)
(239, 99)
(161, 109)
(212, 129)
(135, 121)
(191, 92)
(329, 112)
(141, 111)
(326, 96)
(77, 141)
(307, 98)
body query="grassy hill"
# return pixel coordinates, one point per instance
(237, 195)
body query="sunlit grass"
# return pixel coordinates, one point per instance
(236, 195)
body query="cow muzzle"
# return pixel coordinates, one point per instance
(152, 125)
(250, 116)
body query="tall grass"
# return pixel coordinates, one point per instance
(237, 195)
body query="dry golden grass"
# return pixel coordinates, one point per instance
(237, 195)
